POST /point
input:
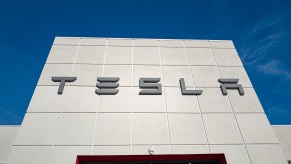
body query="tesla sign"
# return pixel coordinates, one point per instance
(148, 86)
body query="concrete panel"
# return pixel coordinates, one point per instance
(91, 54)
(142, 71)
(212, 100)
(37, 129)
(81, 99)
(221, 44)
(171, 43)
(146, 103)
(249, 102)
(201, 56)
(205, 76)
(121, 102)
(174, 56)
(68, 154)
(146, 42)
(256, 128)
(124, 72)
(234, 73)
(186, 129)
(266, 154)
(176, 102)
(118, 55)
(87, 74)
(112, 150)
(47, 99)
(234, 154)
(172, 74)
(146, 55)
(149, 128)
(221, 129)
(76, 129)
(113, 129)
(158, 149)
(119, 42)
(66, 41)
(62, 54)
(197, 43)
(7, 136)
(50, 70)
(190, 149)
(93, 41)
(29, 155)
(283, 134)
(227, 57)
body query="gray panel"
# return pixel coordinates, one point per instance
(176, 102)
(50, 70)
(91, 54)
(213, 101)
(119, 42)
(224, 56)
(171, 43)
(81, 99)
(124, 72)
(201, 56)
(46, 99)
(146, 42)
(113, 129)
(75, 129)
(68, 154)
(118, 55)
(186, 129)
(112, 150)
(266, 154)
(29, 155)
(146, 55)
(221, 44)
(37, 129)
(283, 134)
(196, 43)
(157, 149)
(7, 137)
(256, 128)
(86, 74)
(66, 41)
(234, 154)
(120, 102)
(172, 74)
(150, 128)
(62, 54)
(174, 56)
(222, 129)
(93, 41)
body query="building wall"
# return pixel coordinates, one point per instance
(7, 137)
(56, 128)
(283, 134)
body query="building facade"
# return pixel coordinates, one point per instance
(152, 97)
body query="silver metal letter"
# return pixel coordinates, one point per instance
(188, 92)
(107, 85)
(150, 89)
(230, 84)
(63, 80)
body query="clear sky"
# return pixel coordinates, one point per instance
(260, 30)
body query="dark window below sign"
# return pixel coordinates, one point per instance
(154, 159)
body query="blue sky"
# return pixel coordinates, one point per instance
(260, 30)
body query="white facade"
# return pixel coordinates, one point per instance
(58, 127)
